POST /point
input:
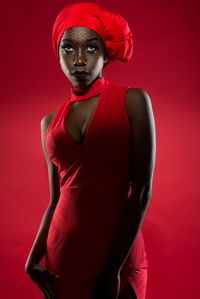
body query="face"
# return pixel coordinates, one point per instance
(81, 50)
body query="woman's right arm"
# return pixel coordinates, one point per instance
(38, 249)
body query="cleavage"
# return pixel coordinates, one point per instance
(79, 115)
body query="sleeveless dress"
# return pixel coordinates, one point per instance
(94, 188)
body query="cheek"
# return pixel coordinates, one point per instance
(99, 64)
(95, 61)
(65, 62)
(65, 67)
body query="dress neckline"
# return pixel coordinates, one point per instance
(79, 94)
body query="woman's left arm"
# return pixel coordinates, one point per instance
(142, 162)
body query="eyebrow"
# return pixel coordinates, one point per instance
(88, 40)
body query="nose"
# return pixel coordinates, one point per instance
(79, 58)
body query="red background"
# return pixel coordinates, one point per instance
(165, 63)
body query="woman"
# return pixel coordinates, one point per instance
(100, 151)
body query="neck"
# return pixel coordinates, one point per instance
(91, 90)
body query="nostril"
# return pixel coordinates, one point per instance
(79, 62)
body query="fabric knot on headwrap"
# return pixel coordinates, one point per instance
(111, 27)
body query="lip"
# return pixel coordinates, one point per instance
(80, 75)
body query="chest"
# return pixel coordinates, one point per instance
(96, 129)
(79, 116)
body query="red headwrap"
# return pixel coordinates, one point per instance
(111, 27)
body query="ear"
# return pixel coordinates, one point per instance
(105, 54)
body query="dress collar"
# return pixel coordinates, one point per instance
(78, 94)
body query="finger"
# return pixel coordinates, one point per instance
(45, 294)
(58, 277)
(53, 276)
(49, 291)
(46, 288)
(44, 283)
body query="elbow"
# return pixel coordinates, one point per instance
(142, 196)
(145, 198)
(146, 194)
(52, 206)
(54, 201)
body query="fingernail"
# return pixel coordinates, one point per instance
(59, 277)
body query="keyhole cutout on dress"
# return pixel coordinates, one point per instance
(79, 117)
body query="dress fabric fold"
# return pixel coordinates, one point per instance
(94, 188)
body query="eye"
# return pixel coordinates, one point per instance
(67, 48)
(92, 48)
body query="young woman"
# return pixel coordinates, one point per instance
(99, 146)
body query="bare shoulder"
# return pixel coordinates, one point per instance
(138, 102)
(44, 123)
(53, 173)
(46, 119)
(143, 145)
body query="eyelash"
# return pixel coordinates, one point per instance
(89, 45)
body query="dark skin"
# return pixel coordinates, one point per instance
(82, 54)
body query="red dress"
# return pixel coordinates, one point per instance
(94, 187)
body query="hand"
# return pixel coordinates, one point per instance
(42, 277)
(106, 287)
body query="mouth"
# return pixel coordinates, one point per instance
(80, 75)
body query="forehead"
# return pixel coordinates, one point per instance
(81, 33)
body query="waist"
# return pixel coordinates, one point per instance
(85, 207)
